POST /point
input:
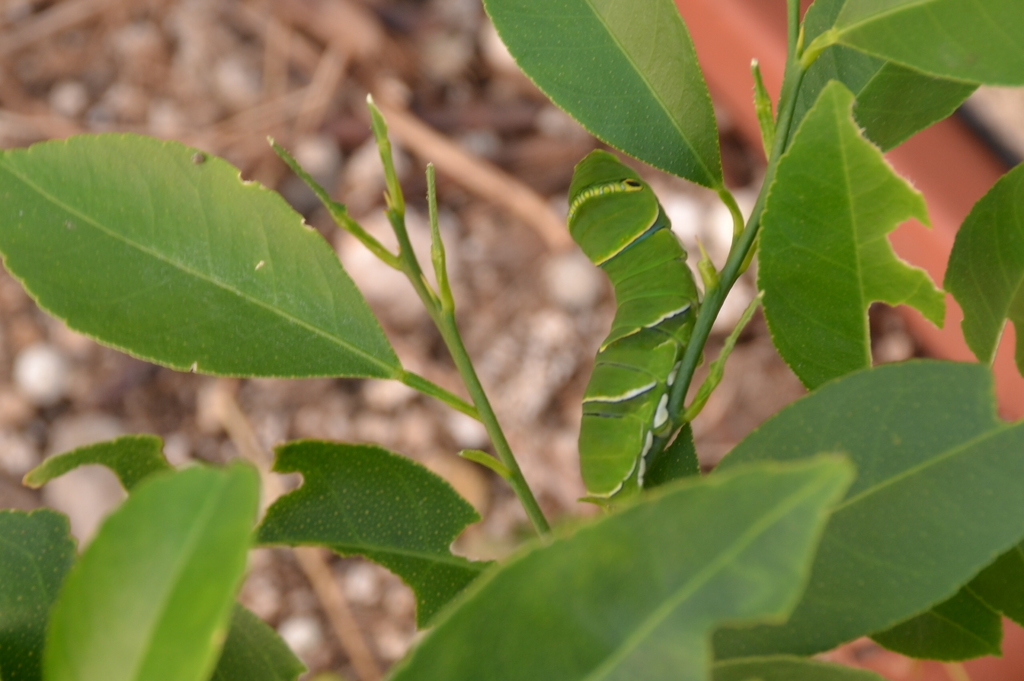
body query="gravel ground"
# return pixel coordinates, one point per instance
(222, 75)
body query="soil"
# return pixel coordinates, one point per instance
(223, 75)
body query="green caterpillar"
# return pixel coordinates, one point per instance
(616, 219)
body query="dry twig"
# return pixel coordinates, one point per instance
(326, 79)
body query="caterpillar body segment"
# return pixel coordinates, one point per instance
(616, 219)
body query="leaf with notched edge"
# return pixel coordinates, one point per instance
(364, 500)
(824, 253)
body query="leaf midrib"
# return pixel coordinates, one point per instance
(955, 624)
(998, 429)
(724, 558)
(390, 369)
(187, 548)
(844, 116)
(360, 548)
(877, 16)
(715, 184)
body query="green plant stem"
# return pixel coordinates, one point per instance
(741, 246)
(437, 256)
(734, 210)
(417, 382)
(763, 108)
(444, 320)
(486, 460)
(793, 32)
(450, 333)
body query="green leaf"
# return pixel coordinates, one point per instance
(972, 40)
(824, 253)
(1001, 584)
(937, 497)
(636, 594)
(960, 628)
(131, 458)
(782, 668)
(36, 551)
(157, 250)
(631, 78)
(898, 102)
(679, 460)
(152, 595)
(364, 500)
(986, 268)
(254, 652)
(892, 101)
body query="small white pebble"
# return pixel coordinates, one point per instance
(392, 642)
(362, 584)
(69, 98)
(261, 595)
(41, 374)
(494, 51)
(686, 213)
(139, 43)
(467, 432)
(481, 142)
(445, 56)
(716, 233)
(177, 449)
(318, 155)
(238, 82)
(893, 347)
(387, 395)
(18, 455)
(127, 102)
(553, 122)
(302, 633)
(399, 601)
(573, 281)
(732, 309)
(165, 119)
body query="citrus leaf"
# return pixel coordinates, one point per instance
(155, 249)
(636, 594)
(892, 101)
(679, 460)
(961, 628)
(972, 40)
(938, 496)
(824, 253)
(364, 500)
(131, 457)
(1001, 584)
(783, 668)
(986, 268)
(151, 597)
(254, 652)
(36, 551)
(631, 78)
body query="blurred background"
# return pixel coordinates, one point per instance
(223, 75)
